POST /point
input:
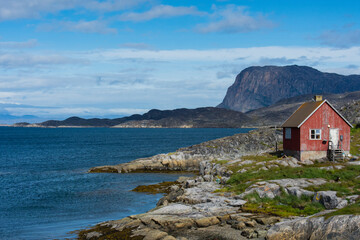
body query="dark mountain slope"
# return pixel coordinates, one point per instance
(198, 118)
(257, 87)
(277, 113)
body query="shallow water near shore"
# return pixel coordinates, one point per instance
(45, 191)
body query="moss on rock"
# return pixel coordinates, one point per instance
(163, 187)
(101, 232)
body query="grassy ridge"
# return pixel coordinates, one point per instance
(283, 206)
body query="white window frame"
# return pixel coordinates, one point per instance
(287, 133)
(317, 132)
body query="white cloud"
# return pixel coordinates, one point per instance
(19, 9)
(340, 39)
(20, 60)
(141, 46)
(247, 55)
(234, 19)
(28, 44)
(162, 79)
(95, 26)
(110, 5)
(64, 112)
(160, 11)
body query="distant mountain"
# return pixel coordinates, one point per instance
(257, 87)
(348, 105)
(7, 118)
(207, 117)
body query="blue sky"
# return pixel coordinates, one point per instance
(108, 58)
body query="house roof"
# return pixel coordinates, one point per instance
(305, 111)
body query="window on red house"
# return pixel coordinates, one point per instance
(287, 133)
(315, 134)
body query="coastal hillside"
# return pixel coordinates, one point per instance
(206, 117)
(257, 87)
(276, 114)
(189, 118)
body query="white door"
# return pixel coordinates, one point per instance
(334, 137)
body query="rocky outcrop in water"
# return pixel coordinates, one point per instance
(189, 158)
(196, 213)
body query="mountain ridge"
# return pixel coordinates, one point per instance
(256, 87)
(182, 117)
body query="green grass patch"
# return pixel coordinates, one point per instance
(352, 209)
(355, 140)
(341, 188)
(284, 206)
(221, 162)
(240, 181)
(256, 159)
(163, 187)
(108, 233)
(346, 182)
(260, 158)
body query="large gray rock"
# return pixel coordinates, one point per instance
(327, 198)
(337, 227)
(263, 189)
(297, 191)
(299, 182)
(272, 188)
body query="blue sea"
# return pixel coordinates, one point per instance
(46, 192)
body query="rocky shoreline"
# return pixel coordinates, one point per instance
(189, 158)
(205, 206)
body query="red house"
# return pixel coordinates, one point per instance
(316, 130)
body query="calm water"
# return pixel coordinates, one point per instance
(45, 191)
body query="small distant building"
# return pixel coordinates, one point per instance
(316, 130)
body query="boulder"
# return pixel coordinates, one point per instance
(314, 228)
(327, 198)
(237, 203)
(267, 220)
(205, 222)
(297, 191)
(263, 189)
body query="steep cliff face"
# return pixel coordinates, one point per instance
(347, 103)
(257, 87)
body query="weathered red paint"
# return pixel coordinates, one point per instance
(294, 142)
(324, 117)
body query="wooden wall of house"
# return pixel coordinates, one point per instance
(293, 143)
(323, 117)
